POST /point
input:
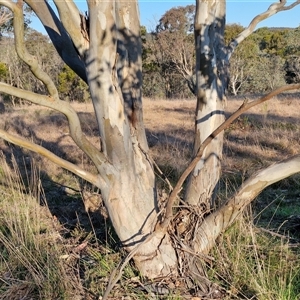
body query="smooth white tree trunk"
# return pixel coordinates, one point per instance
(211, 77)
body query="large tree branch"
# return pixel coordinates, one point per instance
(272, 10)
(220, 220)
(59, 36)
(81, 141)
(96, 180)
(244, 107)
(53, 102)
(31, 61)
(74, 23)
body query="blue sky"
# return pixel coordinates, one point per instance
(241, 12)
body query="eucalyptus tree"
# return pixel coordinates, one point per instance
(173, 46)
(292, 51)
(103, 47)
(242, 61)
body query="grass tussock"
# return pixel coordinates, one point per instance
(252, 263)
(30, 246)
(41, 258)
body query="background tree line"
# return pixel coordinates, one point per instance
(267, 59)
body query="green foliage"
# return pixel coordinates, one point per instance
(273, 41)
(177, 19)
(231, 32)
(292, 69)
(267, 73)
(168, 54)
(259, 64)
(242, 64)
(3, 71)
(293, 42)
(71, 87)
(263, 61)
(266, 59)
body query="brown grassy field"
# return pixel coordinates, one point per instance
(265, 134)
(63, 224)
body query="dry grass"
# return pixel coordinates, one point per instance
(256, 264)
(49, 129)
(31, 244)
(52, 252)
(169, 126)
(267, 133)
(38, 243)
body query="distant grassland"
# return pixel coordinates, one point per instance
(265, 134)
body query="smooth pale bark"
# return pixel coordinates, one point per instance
(59, 36)
(212, 60)
(210, 78)
(131, 197)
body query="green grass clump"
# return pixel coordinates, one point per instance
(254, 264)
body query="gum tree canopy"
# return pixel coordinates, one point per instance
(103, 47)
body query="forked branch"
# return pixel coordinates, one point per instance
(72, 21)
(52, 102)
(59, 36)
(74, 123)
